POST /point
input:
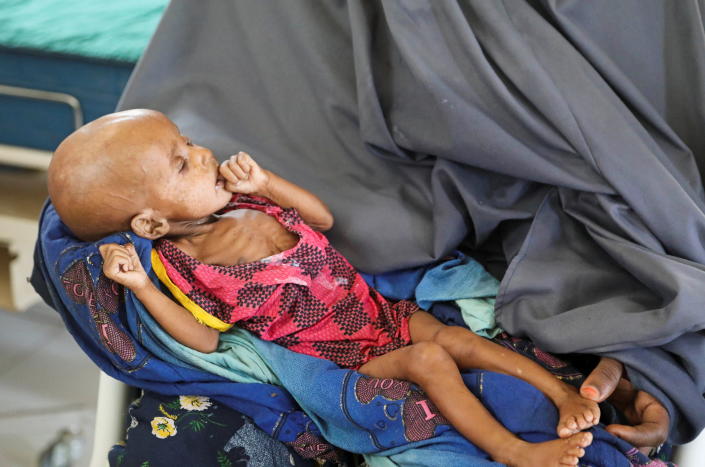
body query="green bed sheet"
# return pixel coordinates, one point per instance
(103, 29)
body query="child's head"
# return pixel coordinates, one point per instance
(133, 170)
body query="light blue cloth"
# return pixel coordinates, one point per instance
(478, 314)
(464, 281)
(236, 358)
(456, 279)
(104, 30)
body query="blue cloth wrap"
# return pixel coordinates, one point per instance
(318, 397)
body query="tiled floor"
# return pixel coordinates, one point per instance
(46, 384)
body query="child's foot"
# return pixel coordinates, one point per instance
(576, 414)
(556, 453)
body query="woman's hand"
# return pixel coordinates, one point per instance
(648, 417)
(243, 175)
(122, 264)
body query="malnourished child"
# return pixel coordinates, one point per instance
(251, 240)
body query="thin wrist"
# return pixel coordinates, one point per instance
(145, 288)
(266, 191)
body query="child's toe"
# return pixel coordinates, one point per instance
(596, 414)
(564, 432)
(585, 421)
(584, 439)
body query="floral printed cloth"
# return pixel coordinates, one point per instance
(196, 430)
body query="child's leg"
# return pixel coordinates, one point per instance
(431, 367)
(471, 351)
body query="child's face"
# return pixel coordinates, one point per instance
(182, 179)
(131, 169)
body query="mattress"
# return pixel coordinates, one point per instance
(66, 62)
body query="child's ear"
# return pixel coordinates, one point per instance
(148, 223)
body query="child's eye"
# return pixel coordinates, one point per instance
(189, 142)
(182, 165)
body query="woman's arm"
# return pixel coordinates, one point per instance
(244, 175)
(122, 264)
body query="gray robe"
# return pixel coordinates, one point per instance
(570, 134)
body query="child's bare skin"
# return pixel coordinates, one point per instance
(559, 452)
(432, 361)
(169, 186)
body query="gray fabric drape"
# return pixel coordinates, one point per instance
(569, 132)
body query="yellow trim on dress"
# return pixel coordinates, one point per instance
(201, 315)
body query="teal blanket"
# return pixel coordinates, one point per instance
(88, 28)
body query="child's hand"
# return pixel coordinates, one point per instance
(243, 175)
(122, 264)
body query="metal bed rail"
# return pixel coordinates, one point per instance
(20, 156)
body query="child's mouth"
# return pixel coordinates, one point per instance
(219, 183)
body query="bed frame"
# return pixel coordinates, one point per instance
(46, 96)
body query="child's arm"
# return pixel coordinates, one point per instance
(244, 175)
(122, 264)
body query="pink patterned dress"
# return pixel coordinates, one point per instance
(309, 298)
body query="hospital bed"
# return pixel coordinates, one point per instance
(63, 63)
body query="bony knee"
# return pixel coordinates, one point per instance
(429, 357)
(451, 336)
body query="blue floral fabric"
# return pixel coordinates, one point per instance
(164, 431)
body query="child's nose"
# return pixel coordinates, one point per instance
(205, 158)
